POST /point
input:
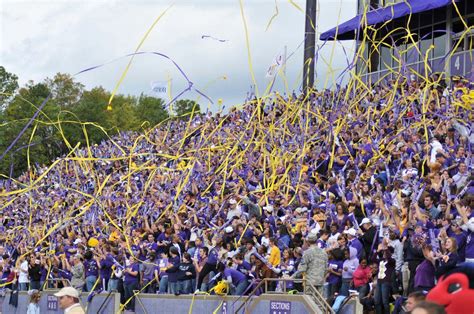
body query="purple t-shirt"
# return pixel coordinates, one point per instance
(336, 266)
(237, 276)
(129, 279)
(91, 268)
(425, 275)
(106, 267)
(212, 258)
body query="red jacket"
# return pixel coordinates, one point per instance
(361, 276)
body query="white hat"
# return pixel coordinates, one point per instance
(351, 232)
(67, 291)
(232, 201)
(229, 229)
(268, 208)
(330, 194)
(365, 221)
(77, 241)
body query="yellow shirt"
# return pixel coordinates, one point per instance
(114, 236)
(274, 256)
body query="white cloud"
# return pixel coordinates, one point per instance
(40, 38)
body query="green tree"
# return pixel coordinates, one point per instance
(8, 86)
(185, 106)
(44, 142)
(122, 117)
(66, 91)
(90, 108)
(150, 109)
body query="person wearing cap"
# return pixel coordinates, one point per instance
(313, 263)
(354, 242)
(68, 298)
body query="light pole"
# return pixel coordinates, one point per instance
(309, 46)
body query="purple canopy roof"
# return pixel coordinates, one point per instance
(349, 29)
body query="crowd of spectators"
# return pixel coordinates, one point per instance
(377, 184)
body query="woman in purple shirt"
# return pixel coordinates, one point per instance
(341, 217)
(130, 281)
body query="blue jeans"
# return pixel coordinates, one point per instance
(185, 286)
(35, 285)
(113, 284)
(173, 287)
(346, 283)
(382, 297)
(163, 285)
(206, 285)
(241, 287)
(90, 281)
(23, 286)
(150, 287)
(363, 291)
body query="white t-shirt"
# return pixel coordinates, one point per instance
(23, 273)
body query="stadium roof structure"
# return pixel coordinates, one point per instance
(351, 29)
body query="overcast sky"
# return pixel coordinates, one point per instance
(42, 37)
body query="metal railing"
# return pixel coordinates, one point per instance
(105, 301)
(308, 289)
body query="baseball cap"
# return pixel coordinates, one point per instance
(67, 291)
(268, 208)
(77, 241)
(365, 221)
(351, 231)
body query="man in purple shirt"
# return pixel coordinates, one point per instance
(354, 242)
(238, 282)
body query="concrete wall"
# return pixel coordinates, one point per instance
(149, 303)
(110, 306)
